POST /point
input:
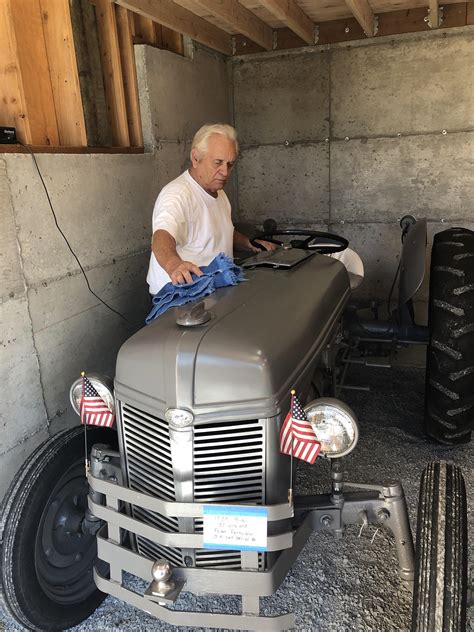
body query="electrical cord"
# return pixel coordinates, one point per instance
(67, 241)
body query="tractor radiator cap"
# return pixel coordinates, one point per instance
(192, 315)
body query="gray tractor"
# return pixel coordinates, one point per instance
(190, 492)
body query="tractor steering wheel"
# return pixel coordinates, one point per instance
(322, 242)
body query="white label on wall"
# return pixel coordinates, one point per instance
(237, 528)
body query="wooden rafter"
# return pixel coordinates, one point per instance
(364, 15)
(239, 19)
(175, 17)
(293, 16)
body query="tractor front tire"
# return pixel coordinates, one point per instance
(449, 403)
(46, 557)
(441, 560)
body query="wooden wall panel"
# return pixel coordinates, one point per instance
(89, 66)
(127, 56)
(146, 30)
(470, 13)
(35, 72)
(12, 101)
(112, 72)
(172, 40)
(63, 72)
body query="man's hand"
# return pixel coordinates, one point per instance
(267, 245)
(242, 242)
(164, 249)
(180, 271)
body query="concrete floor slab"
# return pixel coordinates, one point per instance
(386, 178)
(285, 183)
(386, 89)
(270, 104)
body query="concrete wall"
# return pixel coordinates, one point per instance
(351, 137)
(52, 327)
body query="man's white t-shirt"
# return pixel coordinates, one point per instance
(200, 224)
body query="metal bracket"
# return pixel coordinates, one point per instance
(316, 34)
(376, 24)
(167, 599)
(105, 463)
(429, 22)
(274, 40)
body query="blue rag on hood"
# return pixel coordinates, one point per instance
(220, 272)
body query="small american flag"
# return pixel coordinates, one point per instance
(296, 436)
(94, 410)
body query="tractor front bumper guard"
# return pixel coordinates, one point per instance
(109, 502)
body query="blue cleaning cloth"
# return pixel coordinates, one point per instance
(220, 272)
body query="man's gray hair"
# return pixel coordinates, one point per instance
(203, 134)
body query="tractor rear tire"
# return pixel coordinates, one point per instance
(449, 395)
(441, 560)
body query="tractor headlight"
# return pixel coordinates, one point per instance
(102, 384)
(334, 425)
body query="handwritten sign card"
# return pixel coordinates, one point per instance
(237, 528)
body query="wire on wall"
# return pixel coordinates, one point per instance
(68, 244)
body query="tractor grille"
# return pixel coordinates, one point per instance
(149, 466)
(229, 465)
(228, 468)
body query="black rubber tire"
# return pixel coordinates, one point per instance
(449, 401)
(47, 580)
(441, 562)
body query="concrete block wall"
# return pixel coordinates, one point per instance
(52, 327)
(351, 136)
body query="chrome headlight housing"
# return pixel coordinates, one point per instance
(103, 385)
(179, 418)
(335, 426)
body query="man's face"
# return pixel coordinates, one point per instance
(212, 167)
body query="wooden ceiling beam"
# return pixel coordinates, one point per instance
(293, 16)
(239, 19)
(363, 13)
(174, 17)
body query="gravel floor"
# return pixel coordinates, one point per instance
(348, 585)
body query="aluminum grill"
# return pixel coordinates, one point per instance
(228, 467)
(149, 468)
(228, 462)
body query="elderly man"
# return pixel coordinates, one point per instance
(192, 215)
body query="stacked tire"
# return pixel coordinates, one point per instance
(449, 406)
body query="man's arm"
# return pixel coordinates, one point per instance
(164, 249)
(241, 242)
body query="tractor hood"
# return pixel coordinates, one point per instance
(263, 335)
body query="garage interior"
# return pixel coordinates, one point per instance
(350, 115)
